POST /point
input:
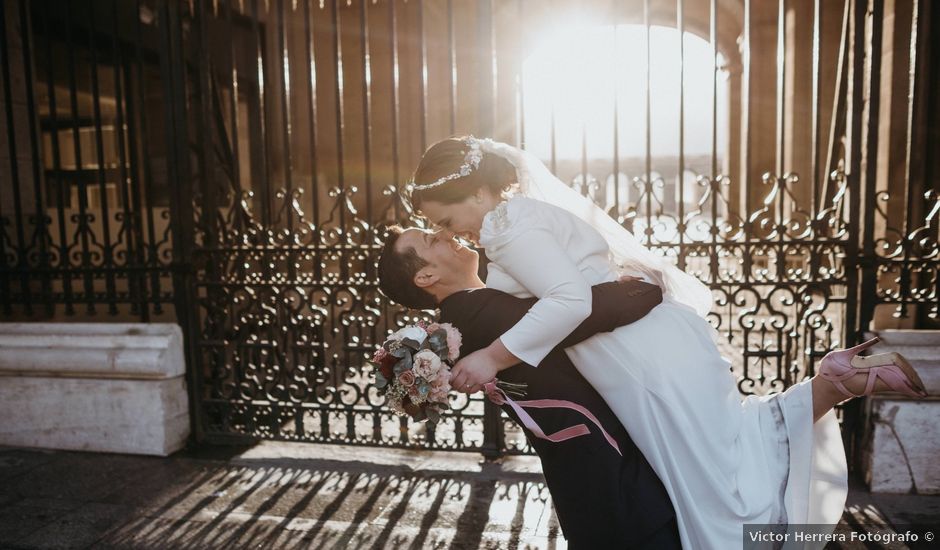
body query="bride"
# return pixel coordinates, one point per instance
(775, 459)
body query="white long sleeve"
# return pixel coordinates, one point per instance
(535, 258)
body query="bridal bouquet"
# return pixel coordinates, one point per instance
(412, 369)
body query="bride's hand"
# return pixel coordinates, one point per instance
(478, 368)
(471, 372)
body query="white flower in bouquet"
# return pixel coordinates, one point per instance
(415, 333)
(427, 365)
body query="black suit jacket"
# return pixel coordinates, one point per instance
(603, 500)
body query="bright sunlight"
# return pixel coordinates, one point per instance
(578, 72)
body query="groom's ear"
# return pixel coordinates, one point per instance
(425, 277)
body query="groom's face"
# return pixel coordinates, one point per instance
(444, 255)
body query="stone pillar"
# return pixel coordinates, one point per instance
(93, 387)
(901, 436)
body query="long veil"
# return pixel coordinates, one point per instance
(537, 182)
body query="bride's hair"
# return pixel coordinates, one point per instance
(397, 271)
(446, 157)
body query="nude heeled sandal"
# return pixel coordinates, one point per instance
(893, 368)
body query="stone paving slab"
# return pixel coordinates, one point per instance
(277, 495)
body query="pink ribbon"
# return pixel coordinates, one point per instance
(499, 397)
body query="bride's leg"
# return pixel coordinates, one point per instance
(825, 396)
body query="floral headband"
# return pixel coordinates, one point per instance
(470, 162)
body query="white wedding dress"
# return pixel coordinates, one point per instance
(724, 461)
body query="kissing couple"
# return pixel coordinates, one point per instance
(575, 307)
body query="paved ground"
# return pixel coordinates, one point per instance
(305, 496)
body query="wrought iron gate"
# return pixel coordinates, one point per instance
(241, 158)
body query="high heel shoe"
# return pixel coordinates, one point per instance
(897, 372)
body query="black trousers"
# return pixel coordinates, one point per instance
(665, 538)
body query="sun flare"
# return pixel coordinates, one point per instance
(576, 76)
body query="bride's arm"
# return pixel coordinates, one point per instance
(536, 260)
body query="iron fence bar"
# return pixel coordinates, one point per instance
(746, 129)
(283, 69)
(64, 259)
(715, 177)
(713, 38)
(781, 177)
(815, 127)
(41, 232)
(929, 14)
(393, 60)
(585, 190)
(99, 154)
(261, 170)
(648, 130)
(838, 123)
(14, 178)
(423, 79)
(201, 86)
(135, 185)
(680, 179)
(152, 256)
(781, 83)
(312, 125)
(854, 133)
(490, 67)
(520, 75)
(233, 105)
(207, 167)
(553, 129)
(173, 74)
(868, 165)
(615, 153)
(340, 128)
(816, 123)
(367, 129)
(913, 168)
(83, 216)
(129, 224)
(452, 65)
(747, 136)
(853, 158)
(370, 268)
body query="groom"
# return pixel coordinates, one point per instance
(603, 499)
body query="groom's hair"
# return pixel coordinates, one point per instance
(397, 270)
